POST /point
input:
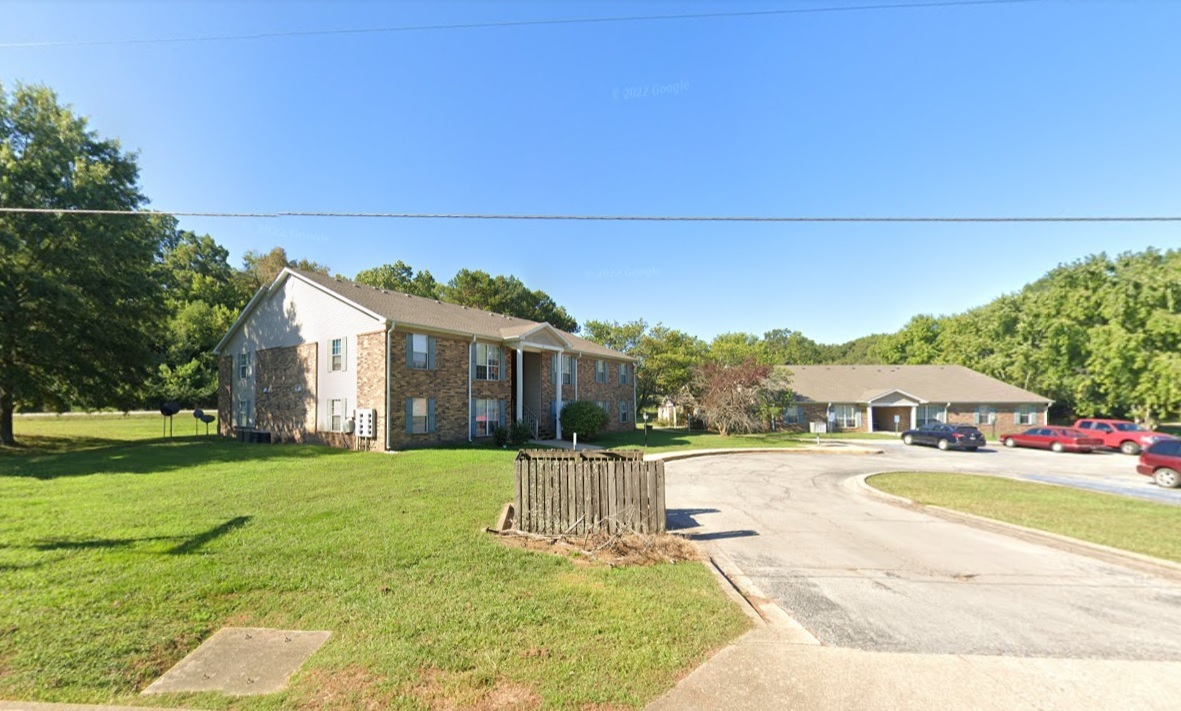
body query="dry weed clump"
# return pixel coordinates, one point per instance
(614, 550)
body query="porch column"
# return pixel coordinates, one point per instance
(520, 384)
(870, 409)
(914, 416)
(558, 398)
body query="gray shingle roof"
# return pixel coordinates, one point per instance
(409, 310)
(932, 383)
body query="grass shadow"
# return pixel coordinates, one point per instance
(187, 544)
(153, 457)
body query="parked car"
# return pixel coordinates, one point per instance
(1162, 462)
(1055, 439)
(1124, 435)
(945, 437)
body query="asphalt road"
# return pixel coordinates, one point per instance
(862, 574)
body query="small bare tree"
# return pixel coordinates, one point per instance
(741, 397)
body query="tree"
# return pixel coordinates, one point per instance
(203, 297)
(80, 306)
(737, 348)
(261, 268)
(401, 277)
(738, 397)
(505, 295)
(665, 357)
(787, 347)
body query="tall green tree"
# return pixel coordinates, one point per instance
(666, 357)
(80, 306)
(401, 277)
(786, 346)
(505, 295)
(261, 268)
(203, 297)
(738, 348)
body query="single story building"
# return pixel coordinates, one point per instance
(893, 398)
(320, 359)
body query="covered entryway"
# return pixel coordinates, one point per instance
(884, 407)
(891, 419)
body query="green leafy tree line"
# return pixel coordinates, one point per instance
(475, 288)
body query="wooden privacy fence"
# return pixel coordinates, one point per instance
(564, 492)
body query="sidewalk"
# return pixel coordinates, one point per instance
(767, 668)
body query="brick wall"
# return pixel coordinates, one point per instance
(225, 396)
(447, 383)
(371, 359)
(1006, 419)
(611, 391)
(285, 392)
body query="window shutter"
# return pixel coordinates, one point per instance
(409, 415)
(472, 364)
(344, 353)
(430, 414)
(431, 344)
(574, 371)
(857, 417)
(1032, 416)
(503, 365)
(472, 424)
(409, 350)
(503, 414)
(555, 363)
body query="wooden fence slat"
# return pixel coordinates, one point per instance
(574, 493)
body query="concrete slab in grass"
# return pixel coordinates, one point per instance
(241, 661)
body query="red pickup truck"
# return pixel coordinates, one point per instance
(1124, 435)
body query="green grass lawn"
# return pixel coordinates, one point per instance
(669, 440)
(1139, 526)
(118, 557)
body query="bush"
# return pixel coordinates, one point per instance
(519, 434)
(585, 418)
(500, 437)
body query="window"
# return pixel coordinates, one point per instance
(417, 415)
(985, 414)
(624, 374)
(847, 416)
(418, 347)
(624, 411)
(487, 416)
(487, 362)
(1026, 415)
(336, 356)
(244, 365)
(600, 371)
(793, 415)
(567, 370)
(605, 406)
(243, 416)
(927, 414)
(336, 418)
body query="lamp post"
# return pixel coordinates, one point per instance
(646, 429)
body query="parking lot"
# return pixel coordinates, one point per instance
(1109, 472)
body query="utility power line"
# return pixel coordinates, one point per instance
(600, 218)
(501, 24)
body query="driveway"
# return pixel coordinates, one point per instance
(868, 578)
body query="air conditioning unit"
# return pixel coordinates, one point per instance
(366, 423)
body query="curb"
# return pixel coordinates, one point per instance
(692, 453)
(770, 612)
(1118, 556)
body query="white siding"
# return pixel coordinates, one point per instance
(298, 313)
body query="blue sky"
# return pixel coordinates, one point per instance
(1055, 108)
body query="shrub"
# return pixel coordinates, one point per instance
(519, 434)
(500, 437)
(585, 418)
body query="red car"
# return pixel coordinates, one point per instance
(1056, 439)
(1124, 435)
(1162, 462)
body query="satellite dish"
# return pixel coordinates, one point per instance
(198, 413)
